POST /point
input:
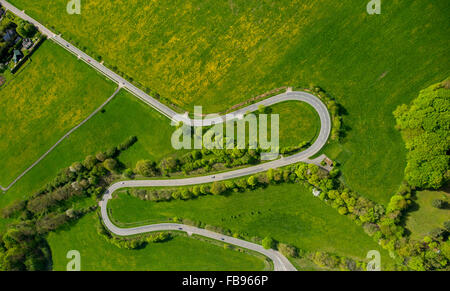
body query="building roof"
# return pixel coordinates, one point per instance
(27, 43)
(16, 55)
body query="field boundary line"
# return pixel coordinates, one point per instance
(61, 140)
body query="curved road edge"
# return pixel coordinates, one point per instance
(280, 262)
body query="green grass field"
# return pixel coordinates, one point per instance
(219, 53)
(126, 115)
(289, 213)
(179, 254)
(424, 217)
(45, 99)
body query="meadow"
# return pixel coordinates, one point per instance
(288, 213)
(423, 217)
(51, 94)
(219, 53)
(126, 116)
(179, 254)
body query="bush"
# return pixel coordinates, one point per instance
(438, 203)
(288, 250)
(146, 168)
(89, 162)
(447, 225)
(128, 173)
(218, 188)
(101, 156)
(110, 165)
(268, 243)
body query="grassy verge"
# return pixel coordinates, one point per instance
(51, 94)
(181, 253)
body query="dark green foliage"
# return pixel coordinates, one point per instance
(439, 204)
(26, 29)
(425, 127)
(447, 225)
(218, 188)
(146, 168)
(110, 164)
(269, 243)
(23, 246)
(288, 250)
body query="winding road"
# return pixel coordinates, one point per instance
(279, 261)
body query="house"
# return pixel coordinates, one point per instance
(27, 43)
(9, 35)
(17, 55)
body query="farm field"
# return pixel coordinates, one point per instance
(179, 254)
(289, 213)
(125, 116)
(424, 217)
(50, 95)
(220, 53)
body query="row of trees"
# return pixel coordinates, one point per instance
(204, 159)
(132, 243)
(336, 112)
(272, 176)
(22, 245)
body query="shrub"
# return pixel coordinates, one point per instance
(89, 162)
(110, 164)
(146, 168)
(438, 203)
(218, 188)
(268, 243)
(447, 225)
(101, 156)
(128, 173)
(288, 250)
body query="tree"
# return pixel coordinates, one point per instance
(101, 156)
(252, 181)
(110, 164)
(218, 188)
(76, 167)
(288, 250)
(146, 168)
(168, 165)
(111, 152)
(128, 173)
(196, 190)
(186, 194)
(268, 243)
(438, 203)
(26, 29)
(447, 226)
(89, 162)
(425, 128)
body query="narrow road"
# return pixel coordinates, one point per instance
(280, 262)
